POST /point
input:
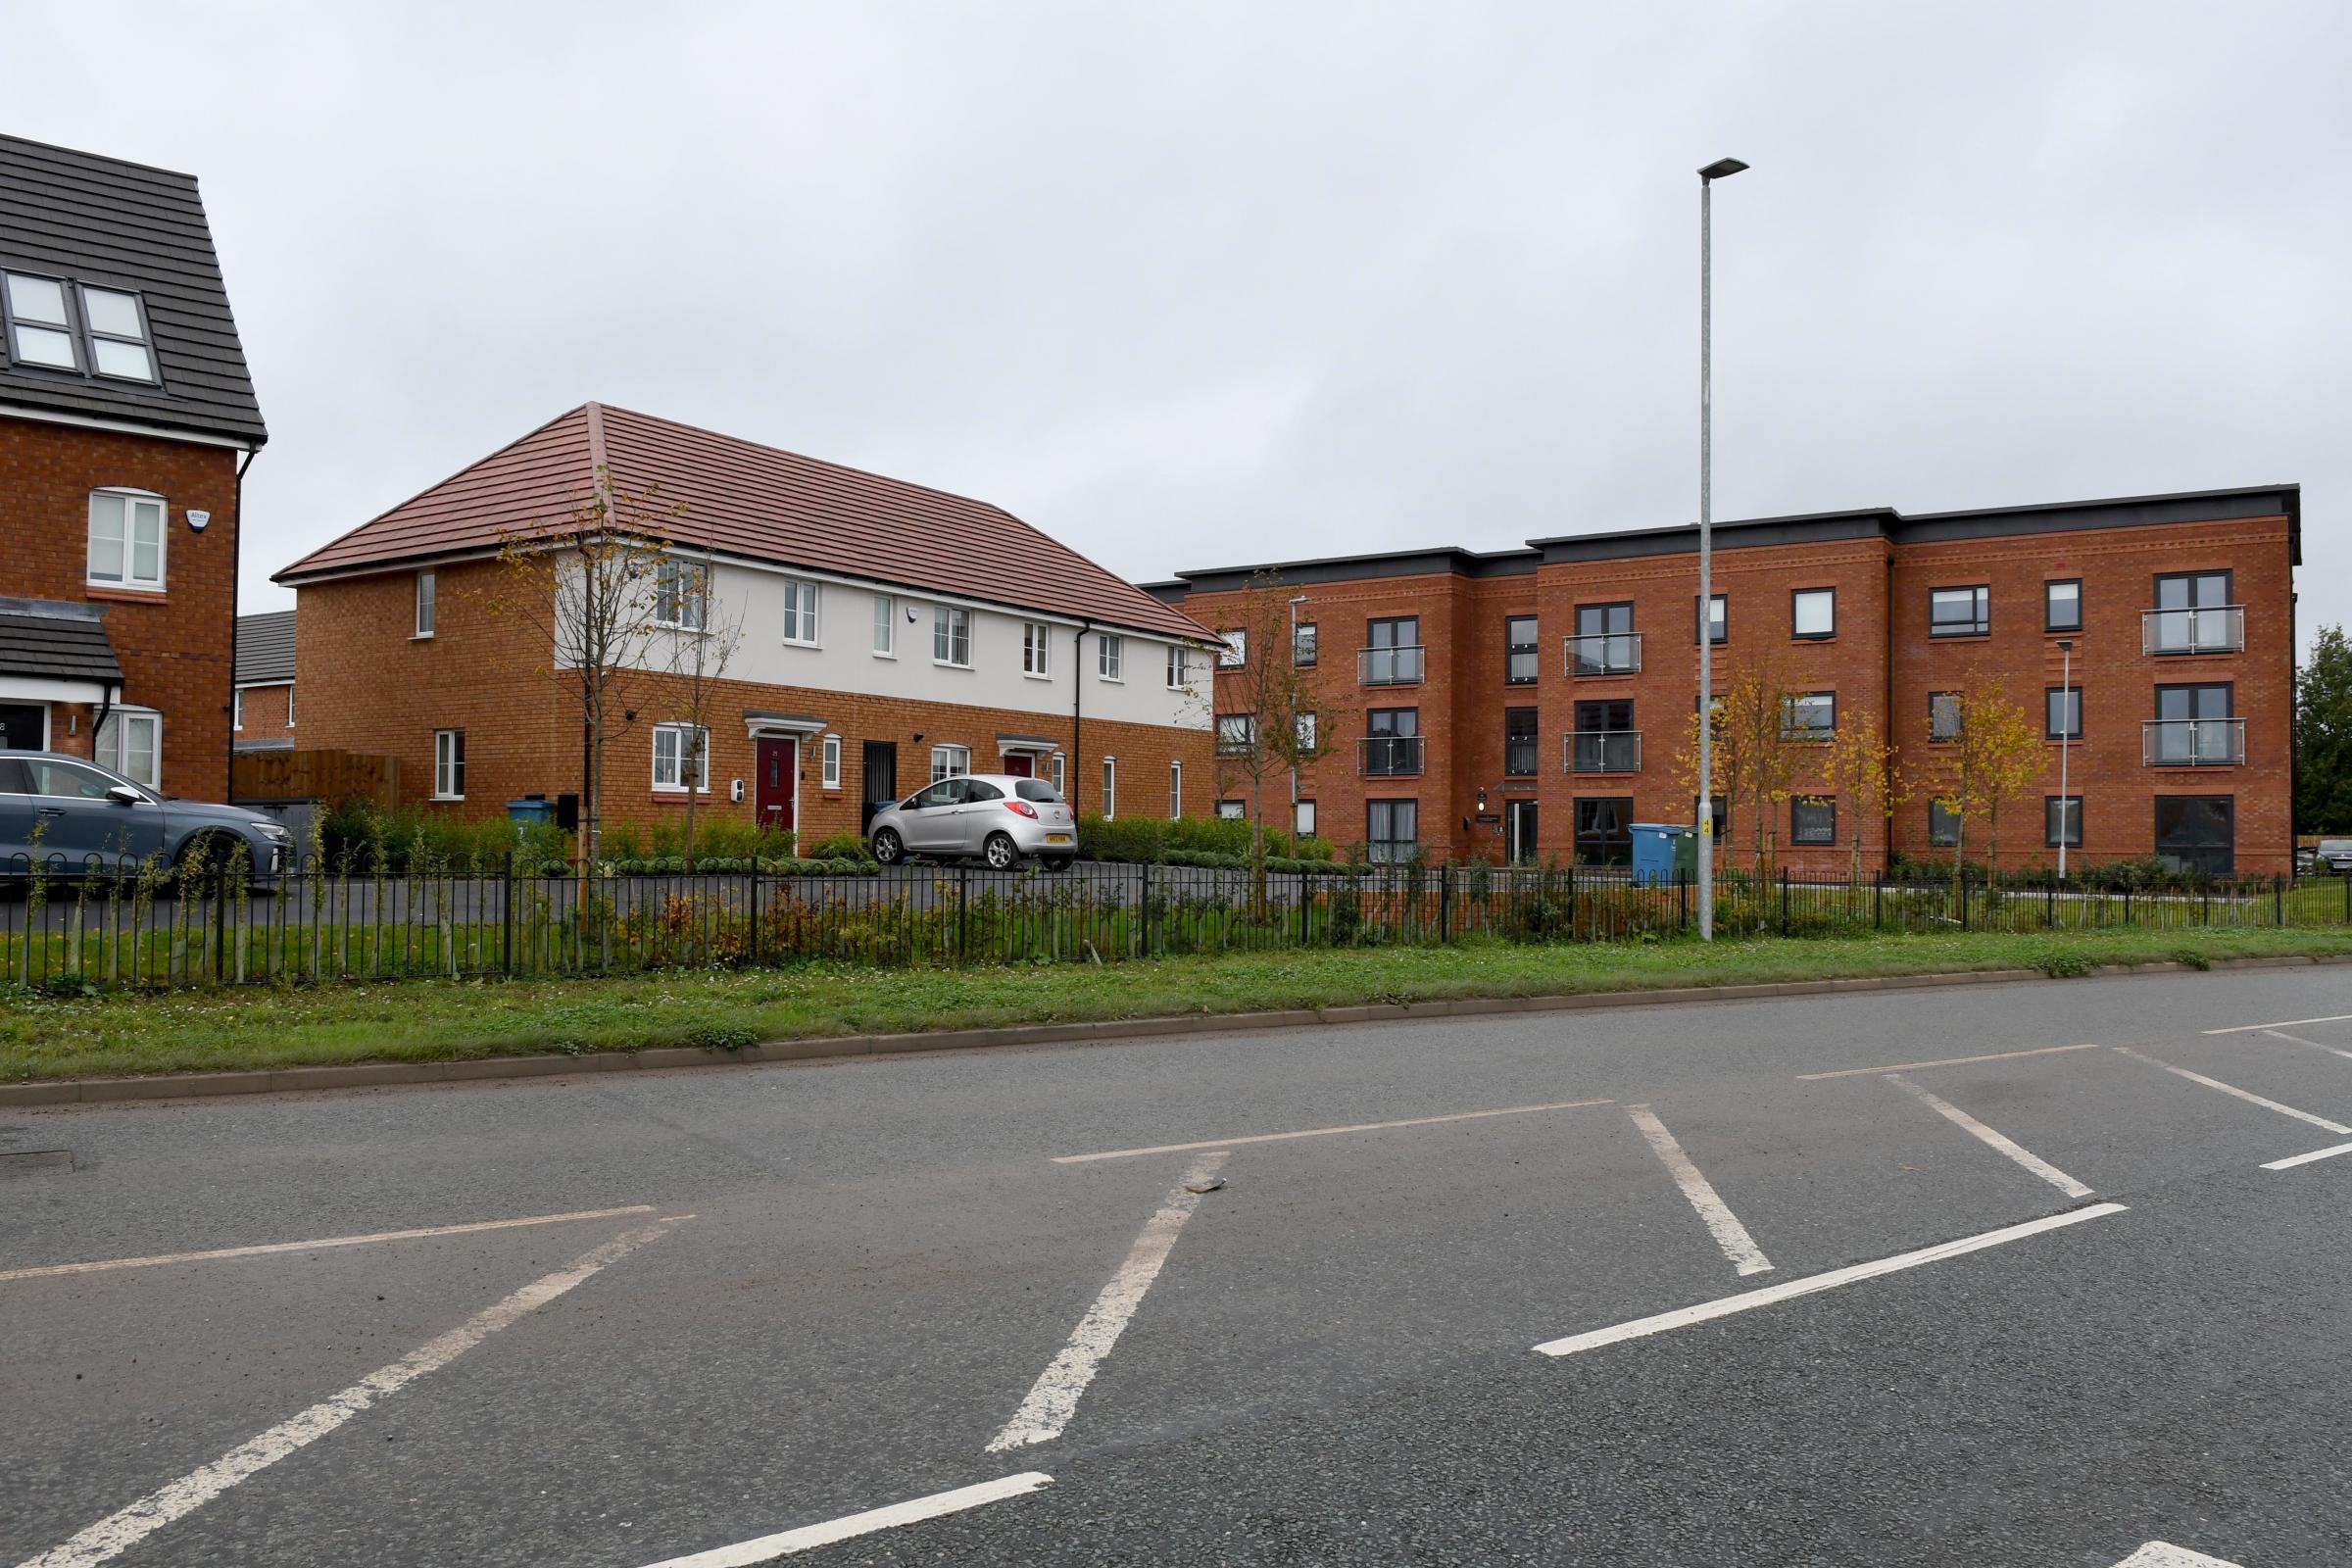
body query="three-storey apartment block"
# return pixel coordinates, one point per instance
(1534, 703)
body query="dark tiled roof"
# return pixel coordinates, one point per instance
(125, 225)
(755, 502)
(49, 641)
(265, 647)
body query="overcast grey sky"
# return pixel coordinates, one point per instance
(1192, 285)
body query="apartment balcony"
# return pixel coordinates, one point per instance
(2221, 629)
(1391, 667)
(1604, 653)
(1603, 750)
(1389, 756)
(1519, 758)
(2192, 742)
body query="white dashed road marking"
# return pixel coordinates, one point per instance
(118, 1532)
(769, 1547)
(2298, 1040)
(1990, 1138)
(1321, 1132)
(1766, 1296)
(1053, 1399)
(1729, 1235)
(2292, 1161)
(1947, 1061)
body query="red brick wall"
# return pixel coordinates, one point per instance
(173, 645)
(265, 714)
(367, 686)
(1881, 663)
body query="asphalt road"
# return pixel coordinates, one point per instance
(894, 1284)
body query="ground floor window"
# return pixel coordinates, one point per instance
(1302, 817)
(950, 761)
(1722, 825)
(1604, 830)
(132, 743)
(448, 764)
(2062, 820)
(1110, 787)
(1391, 831)
(831, 752)
(2197, 834)
(1175, 790)
(1232, 810)
(1058, 766)
(682, 757)
(1944, 826)
(1813, 819)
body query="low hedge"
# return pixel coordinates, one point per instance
(718, 865)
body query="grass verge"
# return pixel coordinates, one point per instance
(43, 1036)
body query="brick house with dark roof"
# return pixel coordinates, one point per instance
(890, 634)
(126, 419)
(261, 718)
(1531, 704)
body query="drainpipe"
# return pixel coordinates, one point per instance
(1077, 711)
(228, 764)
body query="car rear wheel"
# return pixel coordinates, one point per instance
(999, 851)
(889, 847)
(1059, 863)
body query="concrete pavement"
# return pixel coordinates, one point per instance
(1331, 1358)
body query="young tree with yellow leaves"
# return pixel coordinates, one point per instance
(1861, 766)
(1757, 755)
(1996, 753)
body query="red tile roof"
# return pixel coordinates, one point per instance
(752, 500)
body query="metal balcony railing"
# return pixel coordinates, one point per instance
(2219, 629)
(2192, 742)
(1604, 653)
(1604, 750)
(1389, 756)
(1519, 758)
(1400, 666)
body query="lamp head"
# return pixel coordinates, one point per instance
(1722, 168)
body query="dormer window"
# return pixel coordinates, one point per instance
(118, 327)
(41, 330)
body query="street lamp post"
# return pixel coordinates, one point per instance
(2067, 814)
(1721, 169)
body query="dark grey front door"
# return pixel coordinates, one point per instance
(881, 781)
(1519, 832)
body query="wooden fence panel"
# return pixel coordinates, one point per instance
(314, 775)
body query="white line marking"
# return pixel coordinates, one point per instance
(1766, 1296)
(2284, 1023)
(310, 1246)
(2298, 1040)
(2231, 1089)
(2292, 1161)
(2163, 1554)
(769, 1547)
(1053, 1399)
(1322, 1132)
(118, 1532)
(1729, 1235)
(1993, 1140)
(1948, 1061)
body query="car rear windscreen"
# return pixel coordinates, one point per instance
(1037, 789)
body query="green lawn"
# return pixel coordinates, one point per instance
(45, 1037)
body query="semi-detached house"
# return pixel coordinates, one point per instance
(891, 634)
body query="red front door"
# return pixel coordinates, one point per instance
(1019, 764)
(779, 773)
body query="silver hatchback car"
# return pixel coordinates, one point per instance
(1001, 817)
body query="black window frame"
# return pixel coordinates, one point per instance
(2228, 574)
(1701, 622)
(1372, 843)
(1794, 594)
(2048, 583)
(1798, 806)
(1980, 626)
(2051, 809)
(1531, 741)
(1610, 844)
(1723, 816)
(1515, 650)
(1934, 810)
(1811, 733)
(1372, 623)
(2173, 858)
(1307, 636)
(1959, 714)
(2049, 730)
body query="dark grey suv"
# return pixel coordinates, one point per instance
(68, 813)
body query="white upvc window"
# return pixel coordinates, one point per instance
(1060, 764)
(1034, 644)
(236, 711)
(289, 706)
(118, 338)
(1110, 787)
(800, 611)
(448, 764)
(126, 538)
(886, 626)
(426, 596)
(1176, 666)
(950, 761)
(1110, 656)
(682, 594)
(682, 757)
(832, 761)
(132, 743)
(1175, 789)
(951, 636)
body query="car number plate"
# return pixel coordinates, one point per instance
(1058, 838)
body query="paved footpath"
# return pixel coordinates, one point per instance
(2043, 1274)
